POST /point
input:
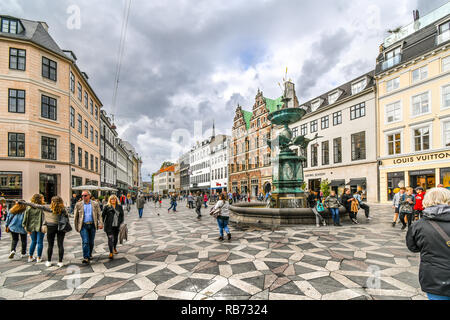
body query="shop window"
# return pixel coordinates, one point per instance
(395, 180)
(445, 177)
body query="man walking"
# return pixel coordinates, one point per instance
(87, 220)
(140, 202)
(190, 200)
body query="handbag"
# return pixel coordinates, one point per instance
(44, 228)
(217, 212)
(319, 207)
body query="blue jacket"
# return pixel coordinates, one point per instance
(14, 223)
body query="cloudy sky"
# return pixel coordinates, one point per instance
(189, 62)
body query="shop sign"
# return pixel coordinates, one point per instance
(422, 158)
(314, 175)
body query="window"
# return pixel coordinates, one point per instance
(304, 129)
(313, 126)
(91, 131)
(86, 99)
(96, 112)
(445, 97)
(48, 108)
(92, 162)
(358, 111)
(392, 58)
(48, 148)
(337, 150)
(393, 112)
(445, 64)
(394, 143)
(422, 139)
(295, 132)
(80, 157)
(325, 153)
(304, 153)
(337, 118)
(359, 86)
(444, 32)
(17, 59)
(86, 160)
(420, 104)
(316, 104)
(86, 129)
(314, 155)
(359, 146)
(446, 133)
(10, 26)
(419, 74)
(80, 124)
(332, 97)
(392, 84)
(72, 82)
(72, 153)
(96, 137)
(48, 69)
(16, 144)
(325, 122)
(16, 101)
(80, 92)
(72, 117)
(96, 164)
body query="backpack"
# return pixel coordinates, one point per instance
(319, 207)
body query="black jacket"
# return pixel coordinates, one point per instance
(344, 201)
(108, 217)
(312, 200)
(434, 271)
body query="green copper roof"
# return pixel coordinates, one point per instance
(247, 117)
(273, 105)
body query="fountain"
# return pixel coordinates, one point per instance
(288, 204)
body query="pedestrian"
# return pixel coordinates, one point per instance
(205, 199)
(140, 202)
(407, 202)
(430, 237)
(314, 200)
(73, 202)
(87, 220)
(173, 203)
(221, 212)
(396, 204)
(362, 205)
(418, 207)
(33, 219)
(160, 200)
(190, 200)
(14, 225)
(128, 201)
(198, 204)
(113, 217)
(349, 203)
(57, 223)
(332, 203)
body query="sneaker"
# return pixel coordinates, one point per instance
(48, 264)
(11, 255)
(317, 225)
(324, 223)
(220, 239)
(85, 261)
(339, 225)
(403, 228)
(31, 259)
(393, 224)
(229, 236)
(369, 218)
(60, 264)
(115, 251)
(38, 260)
(356, 221)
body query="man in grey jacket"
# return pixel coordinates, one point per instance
(140, 205)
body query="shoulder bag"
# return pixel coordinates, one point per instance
(217, 212)
(319, 207)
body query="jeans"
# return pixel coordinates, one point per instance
(335, 215)
(113, 238)
(223, 225)
(140, 210)
(319, 218)
(173, 205)
(436, 297)
(191, 204)
(366, 209)
(15, 241)
(205, 204)
(37, 238)
(88, 236)
(52, 232)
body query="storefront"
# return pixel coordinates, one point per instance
(424, 170)
(48, 186)
(11, 184)
(337, 185)
(358, 184)
(255, 187)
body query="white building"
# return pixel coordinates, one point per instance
(219, 163)
(164, 180)
(200, 167)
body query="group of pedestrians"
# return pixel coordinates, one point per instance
(408, 206)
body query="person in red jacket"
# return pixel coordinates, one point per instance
(418, 207)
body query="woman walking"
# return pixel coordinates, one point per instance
(205, 200)
(407, 203)
(14, 225)
(332, 203)
(57, 222)
(223, 216)
(431, 237)
(112, 219)
(32, 223)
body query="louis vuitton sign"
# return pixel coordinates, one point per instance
(422, 158)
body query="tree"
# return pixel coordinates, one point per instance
(325, 187)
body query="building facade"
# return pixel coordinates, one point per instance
(164, 180)
(413, 92)
(122, 167)
(250, 166)
(219, 163)
(344, 119)
(200, 167)
(49, 119)
(108, 151)
(184, 173)
(177, 178)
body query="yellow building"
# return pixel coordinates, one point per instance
(49, 115)
(413, 94)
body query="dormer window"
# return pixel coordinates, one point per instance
(443, 32)
(11, 25)
(333, 96)
(316, 104)
(392, 58)
(359, 86)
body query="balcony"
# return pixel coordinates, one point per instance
(443, 37)
(391, 62)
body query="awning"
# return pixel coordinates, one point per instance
(357, 182)
(337, 183)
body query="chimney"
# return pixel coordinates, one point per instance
(416, 20)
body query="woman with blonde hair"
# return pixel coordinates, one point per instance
(431, 237)
(57, 222)
(112, 216)
(14, 225)
(32, 223)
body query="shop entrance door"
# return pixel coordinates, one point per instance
(423, 178)
(48, 186)
(314, 184)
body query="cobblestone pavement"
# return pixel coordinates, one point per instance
(174, 256)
